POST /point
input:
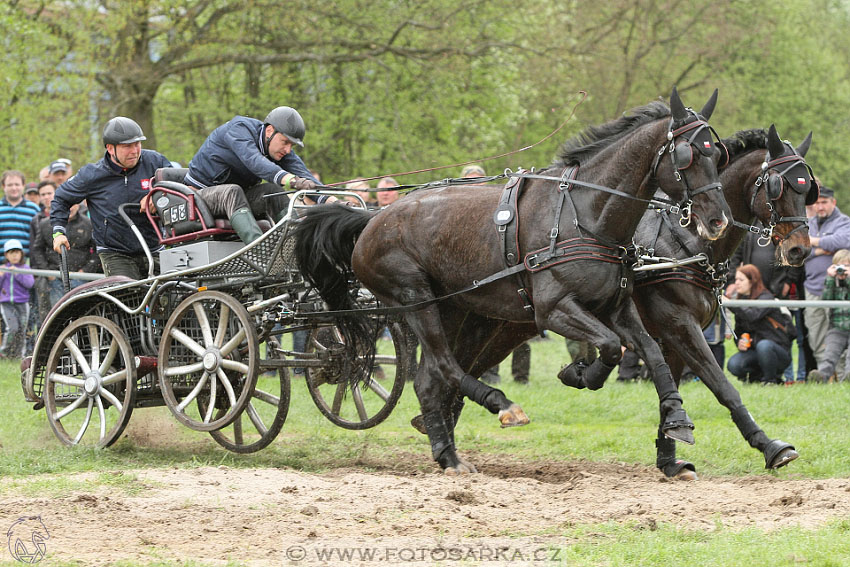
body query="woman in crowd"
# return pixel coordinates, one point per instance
(764, 333)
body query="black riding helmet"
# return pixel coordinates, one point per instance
(287, 121)
(122, 130)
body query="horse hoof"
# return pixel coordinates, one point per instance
(683, 434)
(686, 474)
(469, 466)
(679, 469)
(513, 417)
(459, 469)
(418, 423)
(778, 454)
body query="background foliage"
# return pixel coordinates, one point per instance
(395, 85)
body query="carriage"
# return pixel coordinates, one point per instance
(210, 337)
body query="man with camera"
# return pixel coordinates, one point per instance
(838, 336)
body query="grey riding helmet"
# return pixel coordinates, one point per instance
(122, 130)
(287, 121)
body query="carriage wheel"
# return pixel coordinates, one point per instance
(208, 353)
(262, 419)
(90, 376)
(368, 403)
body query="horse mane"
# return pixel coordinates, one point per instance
(595, 138)
(745, 141)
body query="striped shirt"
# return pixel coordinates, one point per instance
(15, 222)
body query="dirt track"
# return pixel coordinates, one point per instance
(274, 516)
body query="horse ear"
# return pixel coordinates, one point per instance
(708, 109)
(677, 107)
(805, 145)
(774, 144)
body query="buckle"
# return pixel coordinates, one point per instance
(531, 262)
(553, 233)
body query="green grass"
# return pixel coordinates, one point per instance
(617, 423)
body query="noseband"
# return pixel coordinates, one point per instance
(682, 156)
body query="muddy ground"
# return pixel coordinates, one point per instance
(286, 517)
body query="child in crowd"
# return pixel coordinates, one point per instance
(836, 286)
(14, 300)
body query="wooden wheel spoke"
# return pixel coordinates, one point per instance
(235, 365)
(194, 393)
(78, 355)
(339, 396)
(66, 380)
(110, 398)
(203, 323)
(266, 397)
(234, 342)
(85, 424)
(223, 322)
(119, 376)
(76, 403)
(102, 415)
(94, 344)
(211, 404)
(109, 358)
(238, 436)
(376, 387)
(228, 387)
(256, 419)
(357, 396)
(188, 342)
(181, 370)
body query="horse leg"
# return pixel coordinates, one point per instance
(675, 422)
(665, 447)
(570, 319)
(695, 352)
(438, 383)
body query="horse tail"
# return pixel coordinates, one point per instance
(324, 243)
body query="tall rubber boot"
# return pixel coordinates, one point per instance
(245, 225)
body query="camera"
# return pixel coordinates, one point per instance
(840, 270)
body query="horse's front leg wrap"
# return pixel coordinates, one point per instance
(748, 428)
(482, 394)
(439, 435)
(597, 373)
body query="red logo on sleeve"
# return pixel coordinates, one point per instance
(146, 184)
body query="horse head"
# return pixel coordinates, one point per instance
(784, 188)
(686, 168)
(26, 539)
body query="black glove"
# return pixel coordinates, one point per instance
(303, 184)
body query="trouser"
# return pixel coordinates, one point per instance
(224, 200)
(817, 323)
(15, 316)
(520, 365)
(835, 344)
(120, 264)
(580, 350)
(767, 359)
(56, 290)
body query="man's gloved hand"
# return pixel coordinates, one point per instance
(303, 184)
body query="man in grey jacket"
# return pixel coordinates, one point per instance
(829, 231)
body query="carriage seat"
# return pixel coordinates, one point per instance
(181, 213)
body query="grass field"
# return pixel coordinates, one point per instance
(615, 424)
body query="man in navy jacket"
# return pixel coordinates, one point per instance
(245, 165)
(122, 176)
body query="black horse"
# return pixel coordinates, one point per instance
(767, 179)
(571, 251)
